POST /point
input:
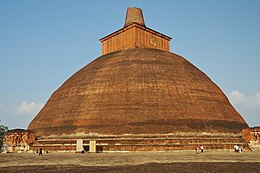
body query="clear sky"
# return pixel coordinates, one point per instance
(42, 43)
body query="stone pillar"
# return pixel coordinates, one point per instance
(92, 146)
(79, 148)
(134, 15)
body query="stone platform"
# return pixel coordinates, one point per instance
(145, 142)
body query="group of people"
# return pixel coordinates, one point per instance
(200, 149)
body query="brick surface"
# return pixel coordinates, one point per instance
(137, 91)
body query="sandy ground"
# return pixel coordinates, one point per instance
(177, 161)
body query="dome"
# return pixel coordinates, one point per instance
(137, 91)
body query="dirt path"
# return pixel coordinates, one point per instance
(180, 161)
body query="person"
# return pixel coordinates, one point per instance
(236, 148)
(40, 153)
(240, 148)
(197, 149)
(201, 148)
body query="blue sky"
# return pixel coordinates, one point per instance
(42, 43)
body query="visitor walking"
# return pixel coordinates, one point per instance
(236, 148)
(197, 149)
(201, 148)
(40, 153)
(240, 148)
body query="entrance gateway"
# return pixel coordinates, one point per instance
(80, 148)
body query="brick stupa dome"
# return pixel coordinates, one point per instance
(137, 87)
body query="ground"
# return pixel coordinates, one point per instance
(177, 161)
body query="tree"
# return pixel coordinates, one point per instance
(3, 129)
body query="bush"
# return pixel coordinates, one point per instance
(3, 129)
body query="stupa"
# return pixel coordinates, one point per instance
(137, 96)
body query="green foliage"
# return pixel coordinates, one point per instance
(3, 129)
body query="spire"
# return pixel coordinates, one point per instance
(134, 34)
(134, 15)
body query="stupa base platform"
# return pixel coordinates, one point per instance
(144, 142)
